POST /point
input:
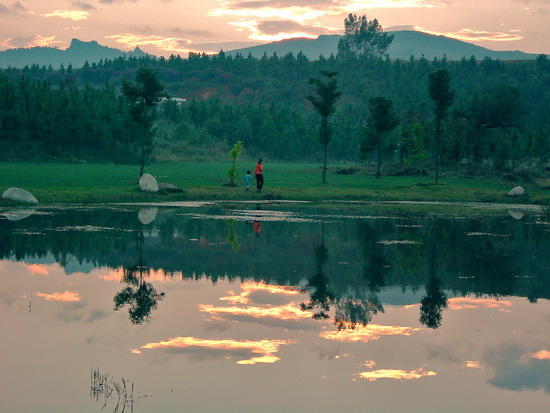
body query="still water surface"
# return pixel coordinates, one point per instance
(273, 307)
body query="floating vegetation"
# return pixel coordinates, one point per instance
(103, 388)
(486, 234)
(26, 232)
(399, 242)
(88, 228)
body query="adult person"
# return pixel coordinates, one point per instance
(258, 174)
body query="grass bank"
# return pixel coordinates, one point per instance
(87, 183)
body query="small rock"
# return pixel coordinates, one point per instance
(517, 191)
(148, 183)
(20, 195)
(165, 187)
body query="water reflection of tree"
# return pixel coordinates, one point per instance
(350, 309)
(232, 237)
(320, 296)
(435, 300)
(432, 304)
(350, 312)
(375, 266)
(141, 297)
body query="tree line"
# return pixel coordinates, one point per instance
(499, 118)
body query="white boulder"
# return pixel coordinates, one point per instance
(148, 183)
(517, 191)
(19, 195)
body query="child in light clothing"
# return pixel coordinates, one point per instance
(247, 180)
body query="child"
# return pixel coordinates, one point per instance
(247, 180)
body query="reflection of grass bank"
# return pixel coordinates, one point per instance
(83, 183)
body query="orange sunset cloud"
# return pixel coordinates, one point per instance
(66, 296)
(249, 352)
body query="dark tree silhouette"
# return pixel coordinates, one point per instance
(363, 37)
(432, 304)
(381, 121)
(442, 95)
(143, 95)
(350, 312)
(324, 103)
(320, 296)
(140, 296)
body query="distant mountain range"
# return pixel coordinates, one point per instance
(78, 53)
(405, 44)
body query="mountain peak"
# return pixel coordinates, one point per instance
(138, 52)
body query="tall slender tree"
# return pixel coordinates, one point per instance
(325, 105)
(381, 121)
(442, 95)
(144, 95)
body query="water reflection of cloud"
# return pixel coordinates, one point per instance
(39, 269)
(286, 312)
(393, 374)
(245, 351)
(368, 333)
(460, 303)
(541, 355)
(117, 275)
(260, 293)
(516, 369)
(65, 296)
(472, 364)
(262, 303)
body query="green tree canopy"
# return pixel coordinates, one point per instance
(381, 120)
(143, 95)
(363, 37)
(325, 105)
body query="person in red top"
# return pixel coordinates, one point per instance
(258, 174)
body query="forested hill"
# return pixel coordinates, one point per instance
(78, 53)
(405, 44)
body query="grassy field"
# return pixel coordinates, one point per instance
(85, 183)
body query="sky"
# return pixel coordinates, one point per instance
(165, 27)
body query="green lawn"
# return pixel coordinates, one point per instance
(87, 183)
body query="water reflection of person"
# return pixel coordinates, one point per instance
(256, 224)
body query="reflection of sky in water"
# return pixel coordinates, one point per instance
(250, 345)
(202, 337)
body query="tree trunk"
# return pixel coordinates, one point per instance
(142, 161)
(437, 143)
(325, 166)
(378, 162)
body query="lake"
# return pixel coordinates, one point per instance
(270, 307)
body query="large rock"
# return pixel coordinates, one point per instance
(148, 183)
(517, 191)
(19, 195)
